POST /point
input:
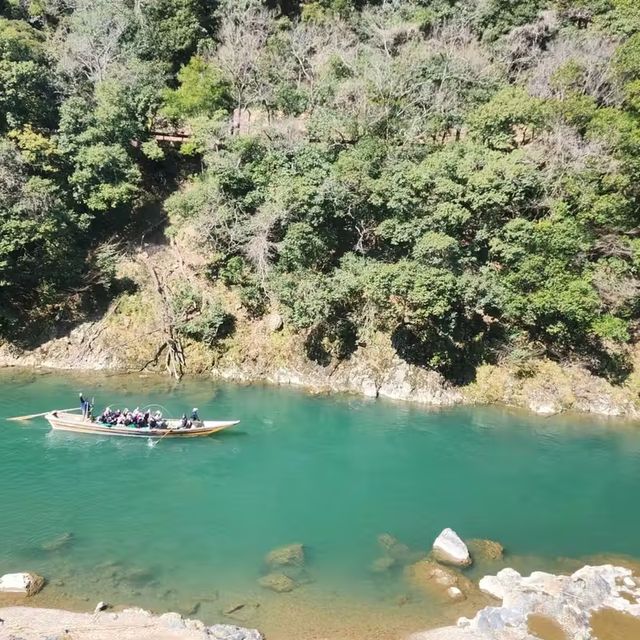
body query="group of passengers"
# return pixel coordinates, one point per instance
(135, 418)
(145, 419)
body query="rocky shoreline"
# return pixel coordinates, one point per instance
(258, 354)
(593, 602)
(596, 602)
(27, 623)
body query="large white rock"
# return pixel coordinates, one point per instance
(498, 586)
(27, 583)
(568, 600)
(448, 547)
(231, 632)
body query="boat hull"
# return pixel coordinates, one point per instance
(63, 421)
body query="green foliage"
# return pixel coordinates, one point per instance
(510, 118)
(105, 177)
(611, 328)
(499, 16)
(195, 317)
(25, 80)
(211, 325)
(627, 59)
(302, 248)
(202, 91)
(177, 24)
(37, 237)
(456, 175)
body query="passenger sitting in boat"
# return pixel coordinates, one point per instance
(107, 416)
(194, 415)
(183, 421)
(159, 422)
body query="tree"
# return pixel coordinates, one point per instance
(202, 91)
(93, 38)
(25, 79)
(37, 233)
(105, 177)
(510, 118)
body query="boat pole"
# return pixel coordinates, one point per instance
(163, 437)
(37, 415)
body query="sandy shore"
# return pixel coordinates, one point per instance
(28, 623)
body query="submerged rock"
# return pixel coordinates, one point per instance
(241, 611)
(397, 550)
(231, 632)
(291, 555)
(58, 543)
(485, 550)
(27, 583)
(455, 594)
(436, 580)
(448, 547)
(278, 582)
(384, 564)
(387, 541)
(137, 576)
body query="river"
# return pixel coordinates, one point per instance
(186, 524)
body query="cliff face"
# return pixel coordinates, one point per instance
(134, 333)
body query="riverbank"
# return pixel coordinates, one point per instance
(120, 343)
(600, 602)
(135, 333)
(30, 623)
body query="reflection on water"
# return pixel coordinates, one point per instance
(185, 525)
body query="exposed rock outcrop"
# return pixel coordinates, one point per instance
(28, 623)
(26, 583)
(231, 632)
(274, 322)
(449, 548)
(550, 388)
(567, 602)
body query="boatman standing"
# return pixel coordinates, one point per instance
(84, 405)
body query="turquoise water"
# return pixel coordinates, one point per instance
(185, 520)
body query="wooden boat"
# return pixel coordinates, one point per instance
(66, 421)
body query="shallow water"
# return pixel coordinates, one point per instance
(188, 523)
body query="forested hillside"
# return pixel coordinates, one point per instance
(460, 176)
